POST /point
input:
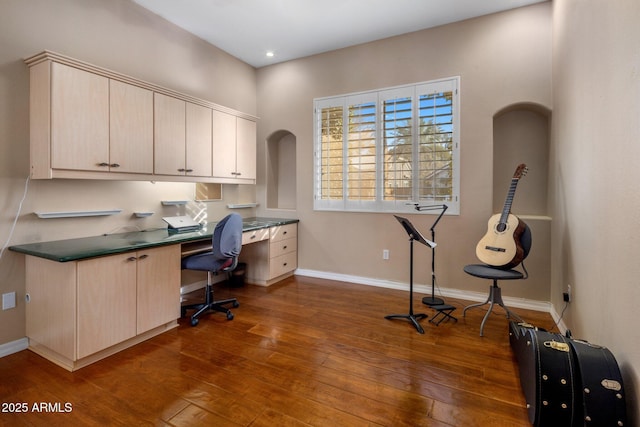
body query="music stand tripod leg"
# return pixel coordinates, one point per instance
(412, 317)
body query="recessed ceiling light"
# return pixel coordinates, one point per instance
(270, 53)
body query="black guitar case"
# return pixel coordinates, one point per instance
(600, 384)
(547, 371)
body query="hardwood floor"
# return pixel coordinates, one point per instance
(303, 352)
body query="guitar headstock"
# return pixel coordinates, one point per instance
(521, 171)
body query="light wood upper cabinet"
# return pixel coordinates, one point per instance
(199, 134)
(169, 134)
(88, 122)
(130, 128)
(234, 147)
(246, 148)
(182, 137)
(79, 119)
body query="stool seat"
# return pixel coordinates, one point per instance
(486, 272)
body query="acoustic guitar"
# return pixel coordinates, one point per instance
(501, 247)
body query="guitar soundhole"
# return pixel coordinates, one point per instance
(501, 227)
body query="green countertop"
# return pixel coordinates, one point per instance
(108, 244)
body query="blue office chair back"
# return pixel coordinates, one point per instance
(227, 237)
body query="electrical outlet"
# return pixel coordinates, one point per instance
(385, 254)
(8, 300)
(566, 296)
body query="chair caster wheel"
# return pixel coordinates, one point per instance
(229, 315)
(194, 322)
(236, 304)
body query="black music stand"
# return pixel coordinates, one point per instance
(432, 300)
(413, 235)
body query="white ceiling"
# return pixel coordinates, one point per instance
(292, 29)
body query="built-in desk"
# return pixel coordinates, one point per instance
(88, 298)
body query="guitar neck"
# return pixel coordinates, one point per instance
(506, 210)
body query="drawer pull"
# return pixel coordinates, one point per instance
(284, 232)
(284, 247)
(253, 236)
(284, 265)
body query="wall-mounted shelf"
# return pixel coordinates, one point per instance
(143, 214)
(242, 205)
(72, 214)
(174, 202)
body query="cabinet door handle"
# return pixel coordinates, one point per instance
(103, 164)
(284, 247)
(114, 165)
(181, 170)
(132, 258)
(284, 265)
(188, 170)
(284, 233)
(143, 256)
(253, 236)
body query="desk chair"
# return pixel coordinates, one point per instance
(226, 246)
(494, 273)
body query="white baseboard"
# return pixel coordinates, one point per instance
(426, 289)
(14, 346)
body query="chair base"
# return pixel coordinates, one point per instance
(209, 305)
(205, 308)
(495, 297)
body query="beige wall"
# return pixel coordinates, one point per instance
(594, 176)
(502, 59)
(119, 35)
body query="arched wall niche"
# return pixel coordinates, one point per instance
(281, 170)
(521, 135)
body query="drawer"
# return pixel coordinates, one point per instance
(282, 232)
(283, 264)
(283, 247)
(255, 236)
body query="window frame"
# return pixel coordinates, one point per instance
(378, 97)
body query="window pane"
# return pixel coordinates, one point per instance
(331, 153)
(377, 150)
(436, 146)
(398, 149)
(361, 154)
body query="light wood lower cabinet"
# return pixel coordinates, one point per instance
(272, 260)
(82, 311)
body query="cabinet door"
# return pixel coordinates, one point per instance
(106, 302)
(245, 149)
(131, 128)
(198, 152)
(79, 119)
(224, 145)
(158, 293)
(169, 135)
